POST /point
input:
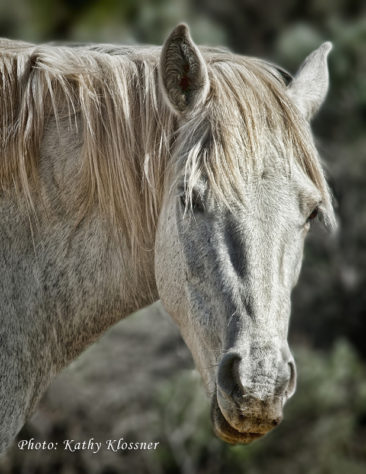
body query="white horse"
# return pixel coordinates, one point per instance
(127, 175)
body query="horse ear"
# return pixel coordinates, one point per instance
(310, 85)
(183, 72)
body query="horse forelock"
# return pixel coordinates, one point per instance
(128, 132)
(248, 126)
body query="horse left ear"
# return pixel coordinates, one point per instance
(311, 82)
(183, 72)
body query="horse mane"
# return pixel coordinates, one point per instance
(128, 131)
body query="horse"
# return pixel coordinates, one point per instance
(182, 173)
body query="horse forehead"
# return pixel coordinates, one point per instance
(269, 192)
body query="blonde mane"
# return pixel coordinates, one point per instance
(129, 134)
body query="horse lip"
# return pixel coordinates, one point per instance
(225, 431)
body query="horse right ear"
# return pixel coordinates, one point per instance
(183, 72)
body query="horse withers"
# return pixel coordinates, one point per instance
(127, 175)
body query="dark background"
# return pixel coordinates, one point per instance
(138, 382)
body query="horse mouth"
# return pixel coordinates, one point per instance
(225, 431)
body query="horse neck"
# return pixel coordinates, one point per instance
(60, 289)
(131, 260)
(72, 281)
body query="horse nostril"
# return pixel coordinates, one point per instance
(228, 377)
(291, 387)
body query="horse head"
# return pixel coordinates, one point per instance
(244, 184)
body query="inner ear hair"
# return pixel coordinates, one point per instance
(183, 71)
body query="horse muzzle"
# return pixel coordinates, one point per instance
(245, 409)
(247, 423)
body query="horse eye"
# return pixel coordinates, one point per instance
(313, 215)
(196, 202)
(182, 199)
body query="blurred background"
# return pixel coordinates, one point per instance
(138, 381)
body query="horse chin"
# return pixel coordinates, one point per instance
(227, 432)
